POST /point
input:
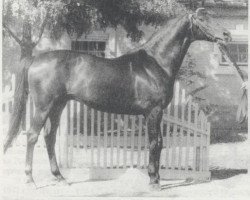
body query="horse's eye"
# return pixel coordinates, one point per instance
(201, 18)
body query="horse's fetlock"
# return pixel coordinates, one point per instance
(55, 172)
(151, 169)
(28, 171)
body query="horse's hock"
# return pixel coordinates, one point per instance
(109, 144)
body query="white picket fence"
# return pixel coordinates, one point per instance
(7, 103)
(110, 143)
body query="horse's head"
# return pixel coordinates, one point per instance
(203, 28)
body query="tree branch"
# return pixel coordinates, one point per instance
(41, 30)
(197, 90)
(12, 34)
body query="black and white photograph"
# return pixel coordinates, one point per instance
(124, 98)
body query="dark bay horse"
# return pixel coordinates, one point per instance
(140, 82)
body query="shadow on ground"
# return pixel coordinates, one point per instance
(226, 173)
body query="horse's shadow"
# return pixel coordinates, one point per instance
(69, 183)
(217, 174)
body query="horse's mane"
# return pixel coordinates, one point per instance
(158, 32)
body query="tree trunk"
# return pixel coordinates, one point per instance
(27, 43)
(26, 51)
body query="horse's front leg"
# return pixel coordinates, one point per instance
(155, 144)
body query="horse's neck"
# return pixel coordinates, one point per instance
(170, 45)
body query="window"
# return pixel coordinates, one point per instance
(238, 50)
(91, 47)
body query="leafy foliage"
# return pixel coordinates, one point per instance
(81, 16)
(17, 12)
(187, 73)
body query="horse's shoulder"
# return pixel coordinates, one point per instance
(142, 53)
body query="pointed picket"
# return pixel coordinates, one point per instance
(98, 138)
(132, 141)
(112, 141)
(105, 121)
(118, 139)
(139, 142)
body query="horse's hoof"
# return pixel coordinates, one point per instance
(155, 187)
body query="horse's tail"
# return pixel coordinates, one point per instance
(20, 98)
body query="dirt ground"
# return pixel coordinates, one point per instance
(228, 165)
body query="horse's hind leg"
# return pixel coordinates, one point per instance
(32, 137)
(50, 138)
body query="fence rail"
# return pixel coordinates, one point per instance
(114, 142)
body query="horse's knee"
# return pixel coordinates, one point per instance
(153, 145)
(32, 138)
(50, 138)
(156, 145)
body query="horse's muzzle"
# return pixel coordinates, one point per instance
(227, 36)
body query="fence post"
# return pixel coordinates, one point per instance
(204, 146)
(71, 132)
(98, 138)
(105, 134)
(188, 134)
(85, 126)
(92, 135)
(203, 130)
(195, 136)
(118, 139)
(145, 146)
(112, 141)
(139, 142)
(181, 135)
(78, 117)
(132, 136)
(167, 137)
(175, 117)
(125, 135)
(207, 144)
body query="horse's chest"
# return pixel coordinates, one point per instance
(148, 90)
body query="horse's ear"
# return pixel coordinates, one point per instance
(201, 13)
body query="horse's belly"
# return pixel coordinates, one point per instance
(111, 100)
(109, 97)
